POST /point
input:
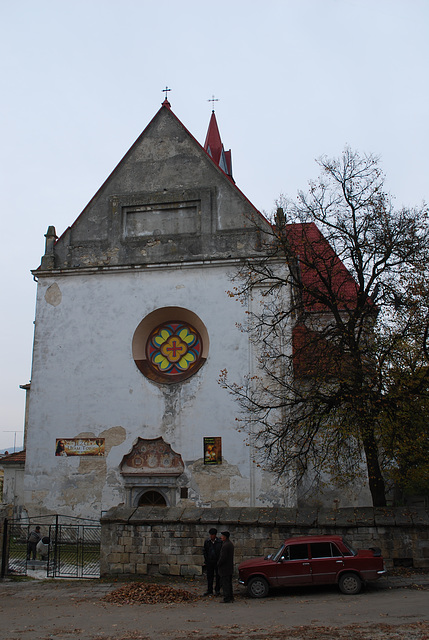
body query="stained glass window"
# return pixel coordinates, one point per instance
(173, 350)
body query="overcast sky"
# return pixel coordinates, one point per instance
(295, 79)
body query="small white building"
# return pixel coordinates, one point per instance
(12, 482)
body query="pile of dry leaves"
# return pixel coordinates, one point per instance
(141, 593)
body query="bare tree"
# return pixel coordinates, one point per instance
(340, 288)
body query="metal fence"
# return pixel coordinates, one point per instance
(70, 548)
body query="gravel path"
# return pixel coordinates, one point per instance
(161, 610)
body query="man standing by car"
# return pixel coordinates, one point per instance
(225, 566)
(212, 547)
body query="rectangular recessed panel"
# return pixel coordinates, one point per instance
(169, 220)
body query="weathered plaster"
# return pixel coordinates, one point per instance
(219, 485)
(53, 295)
(166, 229)
(165, 172)
(86, 371)
(85, 380)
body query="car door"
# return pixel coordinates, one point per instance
(326, 561)
(293, 568)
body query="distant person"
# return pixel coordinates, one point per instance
(32, 541)
(212, 547)
(225, 566)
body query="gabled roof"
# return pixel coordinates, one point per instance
(322, 273)
(323, 279)
(167, 201)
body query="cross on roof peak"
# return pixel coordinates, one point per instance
(213, 100)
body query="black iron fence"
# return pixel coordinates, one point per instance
(69, 547)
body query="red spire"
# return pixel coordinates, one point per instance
(214, 147)
(213, 144)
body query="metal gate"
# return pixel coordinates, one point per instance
(71, 549)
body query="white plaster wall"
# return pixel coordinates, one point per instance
(13, 485)
(85, 382)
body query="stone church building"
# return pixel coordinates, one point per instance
(133, 328)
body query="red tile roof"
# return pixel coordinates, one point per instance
(322, 273)
(324, 278)
(13, 458)
(315, 355)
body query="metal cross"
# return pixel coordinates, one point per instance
(213, 100)
(166, 91)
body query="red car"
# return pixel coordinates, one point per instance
(312, 560)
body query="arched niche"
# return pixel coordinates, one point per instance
(152, 458)
(152, 498)
(151, 467)
(170, 345)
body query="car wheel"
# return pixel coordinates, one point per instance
(258, 587)
(350, 584)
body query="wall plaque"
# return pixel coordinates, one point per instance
(79, 447)
(212, 450)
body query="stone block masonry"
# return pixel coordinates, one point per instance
(169, 541)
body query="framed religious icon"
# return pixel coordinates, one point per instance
(212, 450)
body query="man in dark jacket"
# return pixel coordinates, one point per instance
(225, 566)
(212, 547)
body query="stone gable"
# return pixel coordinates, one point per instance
(166, 201)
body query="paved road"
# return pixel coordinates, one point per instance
(42, 610)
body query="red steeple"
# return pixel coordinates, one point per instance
(214, 147)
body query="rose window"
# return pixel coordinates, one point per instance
(170, 345)
(174, 349)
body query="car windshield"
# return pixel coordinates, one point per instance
(278, 554)
(349, 548)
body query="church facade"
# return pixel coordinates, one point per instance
(133, 328)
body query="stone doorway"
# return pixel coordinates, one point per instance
(152, 499)
(150, 472)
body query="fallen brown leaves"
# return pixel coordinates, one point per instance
(407, 572)
(140, 593)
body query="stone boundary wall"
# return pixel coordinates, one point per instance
(169, 541)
